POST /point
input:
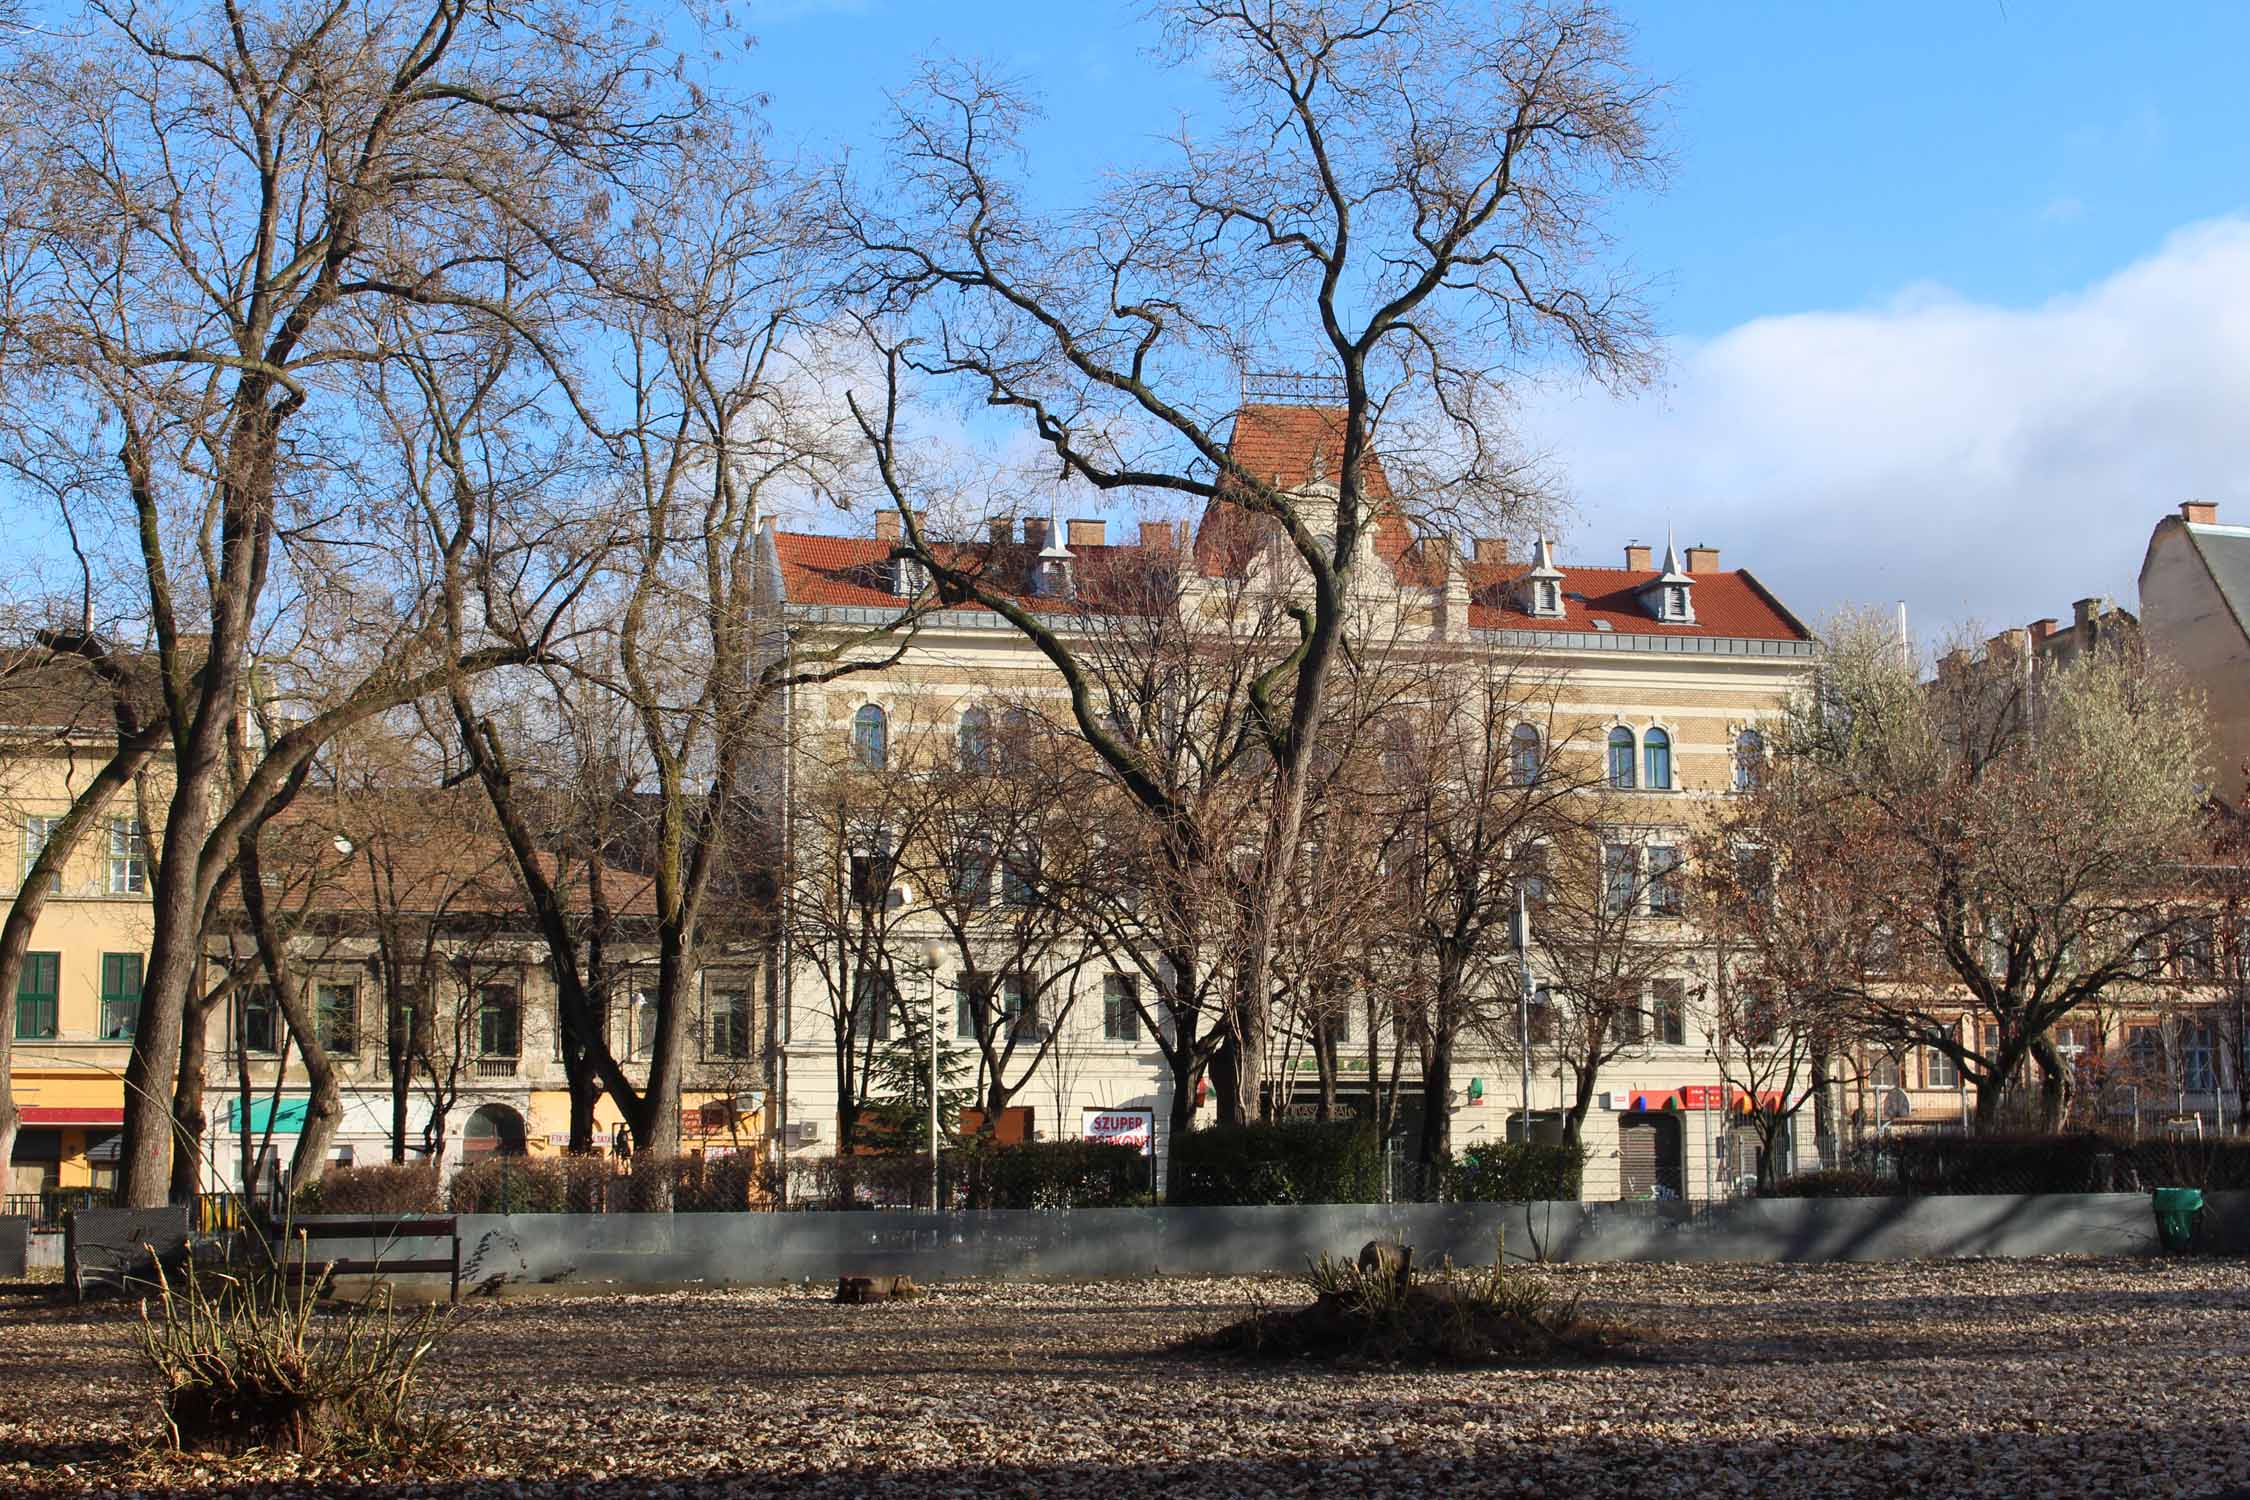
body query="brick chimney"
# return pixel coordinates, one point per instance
(2082, 611)
(1002, 530)
(1492, 549)
(1703, 559)
(886, 526)
(2041, 629)
(2200, 512)
(1035, 531)
(1638, 559)
(1156, 534)
(1085, 533)
(1437, 551)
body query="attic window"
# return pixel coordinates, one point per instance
(1601, 624)
(1547, 599)
(1675, 603)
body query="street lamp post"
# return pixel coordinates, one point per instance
(1523, 1008)
(932, 951)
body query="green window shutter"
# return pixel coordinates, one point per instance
(121, 995)
(36, 989)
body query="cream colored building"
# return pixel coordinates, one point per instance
(2195, 613)
(1671, 665)
(491, 1078)
(79, 992)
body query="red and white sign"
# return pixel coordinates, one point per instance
(1122, 1127)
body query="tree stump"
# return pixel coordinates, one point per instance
(1388, 1258)
(876, 1289)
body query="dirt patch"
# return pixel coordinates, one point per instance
(2063, 1378)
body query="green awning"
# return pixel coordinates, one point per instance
(290, 1121)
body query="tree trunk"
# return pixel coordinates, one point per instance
(1226, 1080)
(1824, 1110)
(2056, 1085)
(1435, 1148)
(1582, 1100)
(188, 1092)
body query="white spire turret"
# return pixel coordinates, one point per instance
(1671, 597)
(1539, 591)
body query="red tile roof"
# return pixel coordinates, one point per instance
(1279, 444)
(1730, 603)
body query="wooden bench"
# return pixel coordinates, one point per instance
(412, 1228)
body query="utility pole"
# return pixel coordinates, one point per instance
(1523, 1006)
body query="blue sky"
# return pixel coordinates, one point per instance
(1948, 285)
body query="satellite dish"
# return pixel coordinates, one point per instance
(1896, 1106)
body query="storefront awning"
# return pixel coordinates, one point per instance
(72, 1114)
(289, 1120)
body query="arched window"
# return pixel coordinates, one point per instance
(1621, 758)
(1015, 738)
(1749, 759)
(871, 738)
(976, 740)
(494, 1130)
(1656, 758)
(1524, 753)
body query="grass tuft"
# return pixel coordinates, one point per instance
(247, 1359)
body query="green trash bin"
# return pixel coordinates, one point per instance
(2176, 1209)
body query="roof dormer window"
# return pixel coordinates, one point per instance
(1669, 597)
(1541, 594)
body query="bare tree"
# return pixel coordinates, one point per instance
(1480, 770)
(1614, 943)
(2023, 826)
(1406, 194)
(222, 222)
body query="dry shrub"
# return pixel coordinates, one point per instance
(379, 1188)
(248, 1360)
(1456, 1317)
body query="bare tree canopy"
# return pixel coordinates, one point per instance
(1404, 203)
(237, 245)
(2011, 840)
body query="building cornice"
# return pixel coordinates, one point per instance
(980, 621)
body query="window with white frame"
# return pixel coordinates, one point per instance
(1621, 753)
(1749, 760)
(128, 857)
(1939, 1070)
(1621, 878)
(726, 1031)
(1524, 753)
(37, 830)
(1667, 1012)
(644, 1024)
(1667, 881)
(1121, 1008)
(1656, 760)
(871, 738)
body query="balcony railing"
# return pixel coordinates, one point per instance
(496, 1067)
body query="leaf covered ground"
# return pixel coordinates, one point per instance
(2047, 1377)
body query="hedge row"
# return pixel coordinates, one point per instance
(2075, 1163)
(1034, 1174)
(378, 1188)
(1942, 1165)
(1516, 1172)
(592, 1184)
(1051, 1174)
(1287, 1161)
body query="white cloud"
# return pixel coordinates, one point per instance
(1980, 462)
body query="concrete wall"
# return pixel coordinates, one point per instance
(1099, 1243)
